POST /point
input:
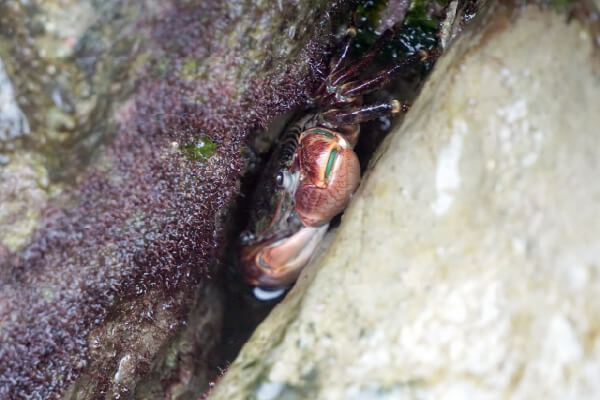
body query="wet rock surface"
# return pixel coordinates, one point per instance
(466, 265)
(121, 160)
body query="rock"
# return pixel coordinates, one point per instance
(24, 184)
(63, 58)
(467, 264)
(137, 117)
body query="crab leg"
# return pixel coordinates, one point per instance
(335, 67)
(350, 34)
(342, 76)
(362, 114)
(354, 89)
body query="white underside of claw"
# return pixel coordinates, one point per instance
(267, 294)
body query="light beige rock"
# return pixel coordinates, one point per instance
(468, 264)
(24, 190)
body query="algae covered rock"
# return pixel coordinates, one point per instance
(132, 123)
(466, 265)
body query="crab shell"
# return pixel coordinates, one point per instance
(329, 174)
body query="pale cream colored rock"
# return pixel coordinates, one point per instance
(24, 190)
(468, 263)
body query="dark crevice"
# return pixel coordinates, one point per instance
(243, 311)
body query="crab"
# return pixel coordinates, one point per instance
(313, 172)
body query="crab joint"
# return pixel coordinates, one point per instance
(398, 107)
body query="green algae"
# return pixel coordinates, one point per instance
(417, 32)
(192, 69)
(560, 5)
(160, 67)
(189, 69)
(202, 149)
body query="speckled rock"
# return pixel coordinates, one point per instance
(122, 144)
(24, 184)
(58, 62)
(467, 264)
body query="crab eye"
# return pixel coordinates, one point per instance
(280, 179)
(247, 237)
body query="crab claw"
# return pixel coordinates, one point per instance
(273, 264)
(330, 174)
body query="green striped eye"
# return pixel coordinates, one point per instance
(332, 157)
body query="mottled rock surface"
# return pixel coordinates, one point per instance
(122, 145)
(467, 264)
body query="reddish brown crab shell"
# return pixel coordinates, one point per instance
(330, 174)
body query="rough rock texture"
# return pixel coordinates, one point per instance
(467, 264)
(106, 289)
